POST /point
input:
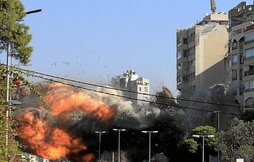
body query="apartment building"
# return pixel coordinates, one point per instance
(241, 52)
(137, 87)
(201, 52)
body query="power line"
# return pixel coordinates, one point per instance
(124, 90)
(121, 96)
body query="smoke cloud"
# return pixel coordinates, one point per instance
(68, 128)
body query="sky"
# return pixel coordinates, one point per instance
(92, 40)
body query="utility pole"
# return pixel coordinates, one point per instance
(150, 137)
(119, 142)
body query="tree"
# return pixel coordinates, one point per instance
(238, 141)
(9, 152)
(13, 32)
(14, 39)
(191, 147)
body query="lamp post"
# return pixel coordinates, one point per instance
(203, 143)
(150, 136)
(119, 142)
(218, 130)
(100, 133)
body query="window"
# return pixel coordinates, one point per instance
(146, 89)
(234, 59)
(249, 36)
(249, 85)
(250, 70)
(185, 78)
(234, 74)
(241, 42)
(185, 41)
(179, 54)
(179, 79)
(178, 42)
(185, 53)
(179, 66)
(249, 102)
(234, 45)
(140, 89)
(241, 74)
(249, 53)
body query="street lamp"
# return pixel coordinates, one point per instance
(100, 133)
(218, 130)
(150, 136)
(203, 143)
(119, 142)
(33, 11)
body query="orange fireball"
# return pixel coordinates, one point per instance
(38, 128)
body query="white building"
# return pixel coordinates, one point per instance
(135, 87)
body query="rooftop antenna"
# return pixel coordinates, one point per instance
(213, 6)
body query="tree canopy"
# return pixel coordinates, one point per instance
(13, 32)
(238, 141)
(192, 147)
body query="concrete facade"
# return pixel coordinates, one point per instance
(138, 86)
(201, 53)
(241, 53)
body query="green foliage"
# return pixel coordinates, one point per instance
(204, 130)
(210, 143)
(8, 153)
(13, 31)
(238, 141)
(191, 144)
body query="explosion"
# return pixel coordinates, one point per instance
(46, 132)
(67, 128)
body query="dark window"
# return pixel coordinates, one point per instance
(185, 78)
(250, 70)
(234, 45)
(241, 74)
(185, 41)
(234, 74)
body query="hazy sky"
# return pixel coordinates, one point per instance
(94, 40)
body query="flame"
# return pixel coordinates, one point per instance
(49, 140)
(62, 99)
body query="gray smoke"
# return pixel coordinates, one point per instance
(218, 94)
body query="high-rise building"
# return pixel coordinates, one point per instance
(135, 87)
(201, 52)
(241, 52)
